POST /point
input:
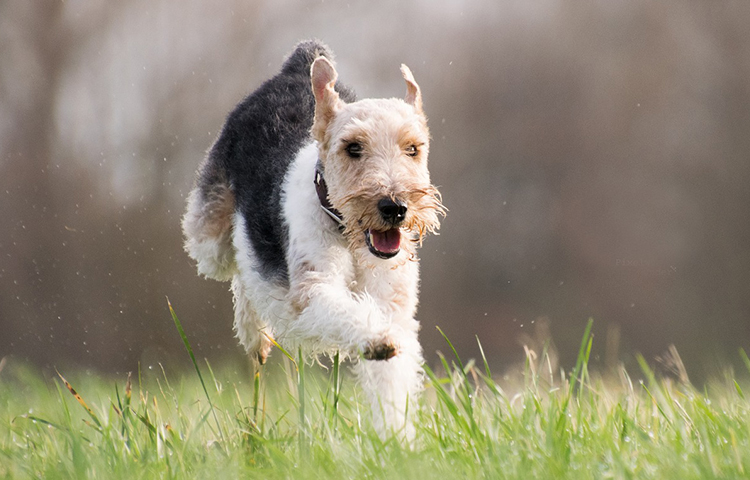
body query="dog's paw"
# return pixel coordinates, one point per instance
(381, 351)
(260, 350)
(262, 356)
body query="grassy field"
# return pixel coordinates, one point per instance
(308, 422)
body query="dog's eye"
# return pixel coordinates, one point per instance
(411, 150)
(354, 150)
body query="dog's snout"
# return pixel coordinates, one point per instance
(393, 211)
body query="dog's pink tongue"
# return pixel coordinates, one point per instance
(386, 242)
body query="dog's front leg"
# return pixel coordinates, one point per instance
(392, 387)
(390, 374)
(332, 317)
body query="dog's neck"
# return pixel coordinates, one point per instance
(322, 190)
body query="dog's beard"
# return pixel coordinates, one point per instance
(365, 228)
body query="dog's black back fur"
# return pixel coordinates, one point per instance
(260, 138)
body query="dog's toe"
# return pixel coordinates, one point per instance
(261, 351)
(383, 351)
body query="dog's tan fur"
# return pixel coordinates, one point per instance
(386, 128)
(207, 225)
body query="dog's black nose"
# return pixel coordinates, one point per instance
(392, 211)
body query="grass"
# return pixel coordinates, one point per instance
(304, 422)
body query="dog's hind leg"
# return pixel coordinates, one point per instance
(252, 332)
(207, 223)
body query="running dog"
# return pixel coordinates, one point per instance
(313, 205)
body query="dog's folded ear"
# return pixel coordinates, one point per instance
(413, 93)
(323, 77)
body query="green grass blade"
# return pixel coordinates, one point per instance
(745, 359)
(484, 358)
(336, 390)
(281, 349)
(739, 390)
(583, 352)
(466, 398)
(80, 400)
(256, 396)
(303, 432)
(197, 369)
(453, 349)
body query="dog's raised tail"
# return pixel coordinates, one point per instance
(304, 54)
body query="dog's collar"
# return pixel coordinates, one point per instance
(322, 190)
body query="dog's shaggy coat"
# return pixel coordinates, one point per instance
(255, 218)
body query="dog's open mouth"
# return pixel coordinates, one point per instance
(384, 244)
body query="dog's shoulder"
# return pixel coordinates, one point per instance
(258, 142)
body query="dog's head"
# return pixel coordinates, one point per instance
(374, 154)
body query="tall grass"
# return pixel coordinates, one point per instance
(299, 422)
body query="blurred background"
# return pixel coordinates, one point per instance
(595, 158)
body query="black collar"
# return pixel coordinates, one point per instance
(322, 190)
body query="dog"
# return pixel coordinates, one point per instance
(313, 203)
